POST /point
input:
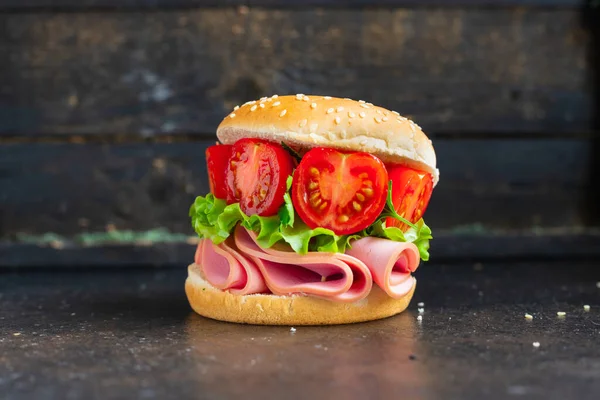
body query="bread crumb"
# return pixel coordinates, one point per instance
(420, 318)
(586, 307)
(421, 310)
(421, 304)
(536, 344)
(292, 329)
(528, 316)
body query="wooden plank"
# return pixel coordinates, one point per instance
(453, 70)
(21, 5)
(72, 188)
(445, 248)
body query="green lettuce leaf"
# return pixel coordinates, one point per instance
(213, 219)
(286, 212)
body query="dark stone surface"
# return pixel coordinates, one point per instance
(130, 334)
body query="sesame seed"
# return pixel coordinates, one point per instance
(346, 98)
(361, 101)
(369, 104)
(313, 105)
(364, 106)
(327, 98)
(281, 114)
(269, 99)
(299, 96)
(263, 99)
(303, 123)
(17, 334)
(377, 119)
(275, 104)
(528, 316)
(292, 329)
(412, 127)
(420, 318)
(362, 114)
(536, 344)
(421, 310)
(402, 119)
(236, 108)
(305, 98)
(351, 114)
(420, 304)
(384, 118)
(262, 105)
(252, 102)
(275, 96)
(253, 108)
(340, 109)
(379, 112)
(363, 142)
(586, 307)
(338, 120)
(329, 111)
(561, 313)
(232, 115)
(395, 113)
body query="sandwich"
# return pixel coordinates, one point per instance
(315, 213)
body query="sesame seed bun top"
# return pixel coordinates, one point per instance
(306, 121)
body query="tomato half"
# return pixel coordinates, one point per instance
(411, 191)
(344, 192)
(256, 175)
(216, 161)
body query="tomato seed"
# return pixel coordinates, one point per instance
(356, 206)
(360, 197)
(367, 191)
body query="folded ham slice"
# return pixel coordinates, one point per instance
(227, 269)
(390, 262)
(334, 276)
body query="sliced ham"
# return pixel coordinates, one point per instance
(240, 266)
(390, 262)
(227, 269)
(334, 276)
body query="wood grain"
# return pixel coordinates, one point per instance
(463, 71)
(21, 5)
(73, 188)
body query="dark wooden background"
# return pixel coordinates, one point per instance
(106, 108)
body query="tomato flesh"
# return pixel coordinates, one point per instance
(256, 176)
(216, 161)
(344, 192)
(411, 192)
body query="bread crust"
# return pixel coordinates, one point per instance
(303, 122)
(268, 309)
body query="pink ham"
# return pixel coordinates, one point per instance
(337, 277)
(227, 269)
(391, 263)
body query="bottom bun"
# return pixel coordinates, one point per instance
(269, 309)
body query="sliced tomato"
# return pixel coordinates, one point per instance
(256, 176)
(216, 161)
(344, 192)
(411, 191)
